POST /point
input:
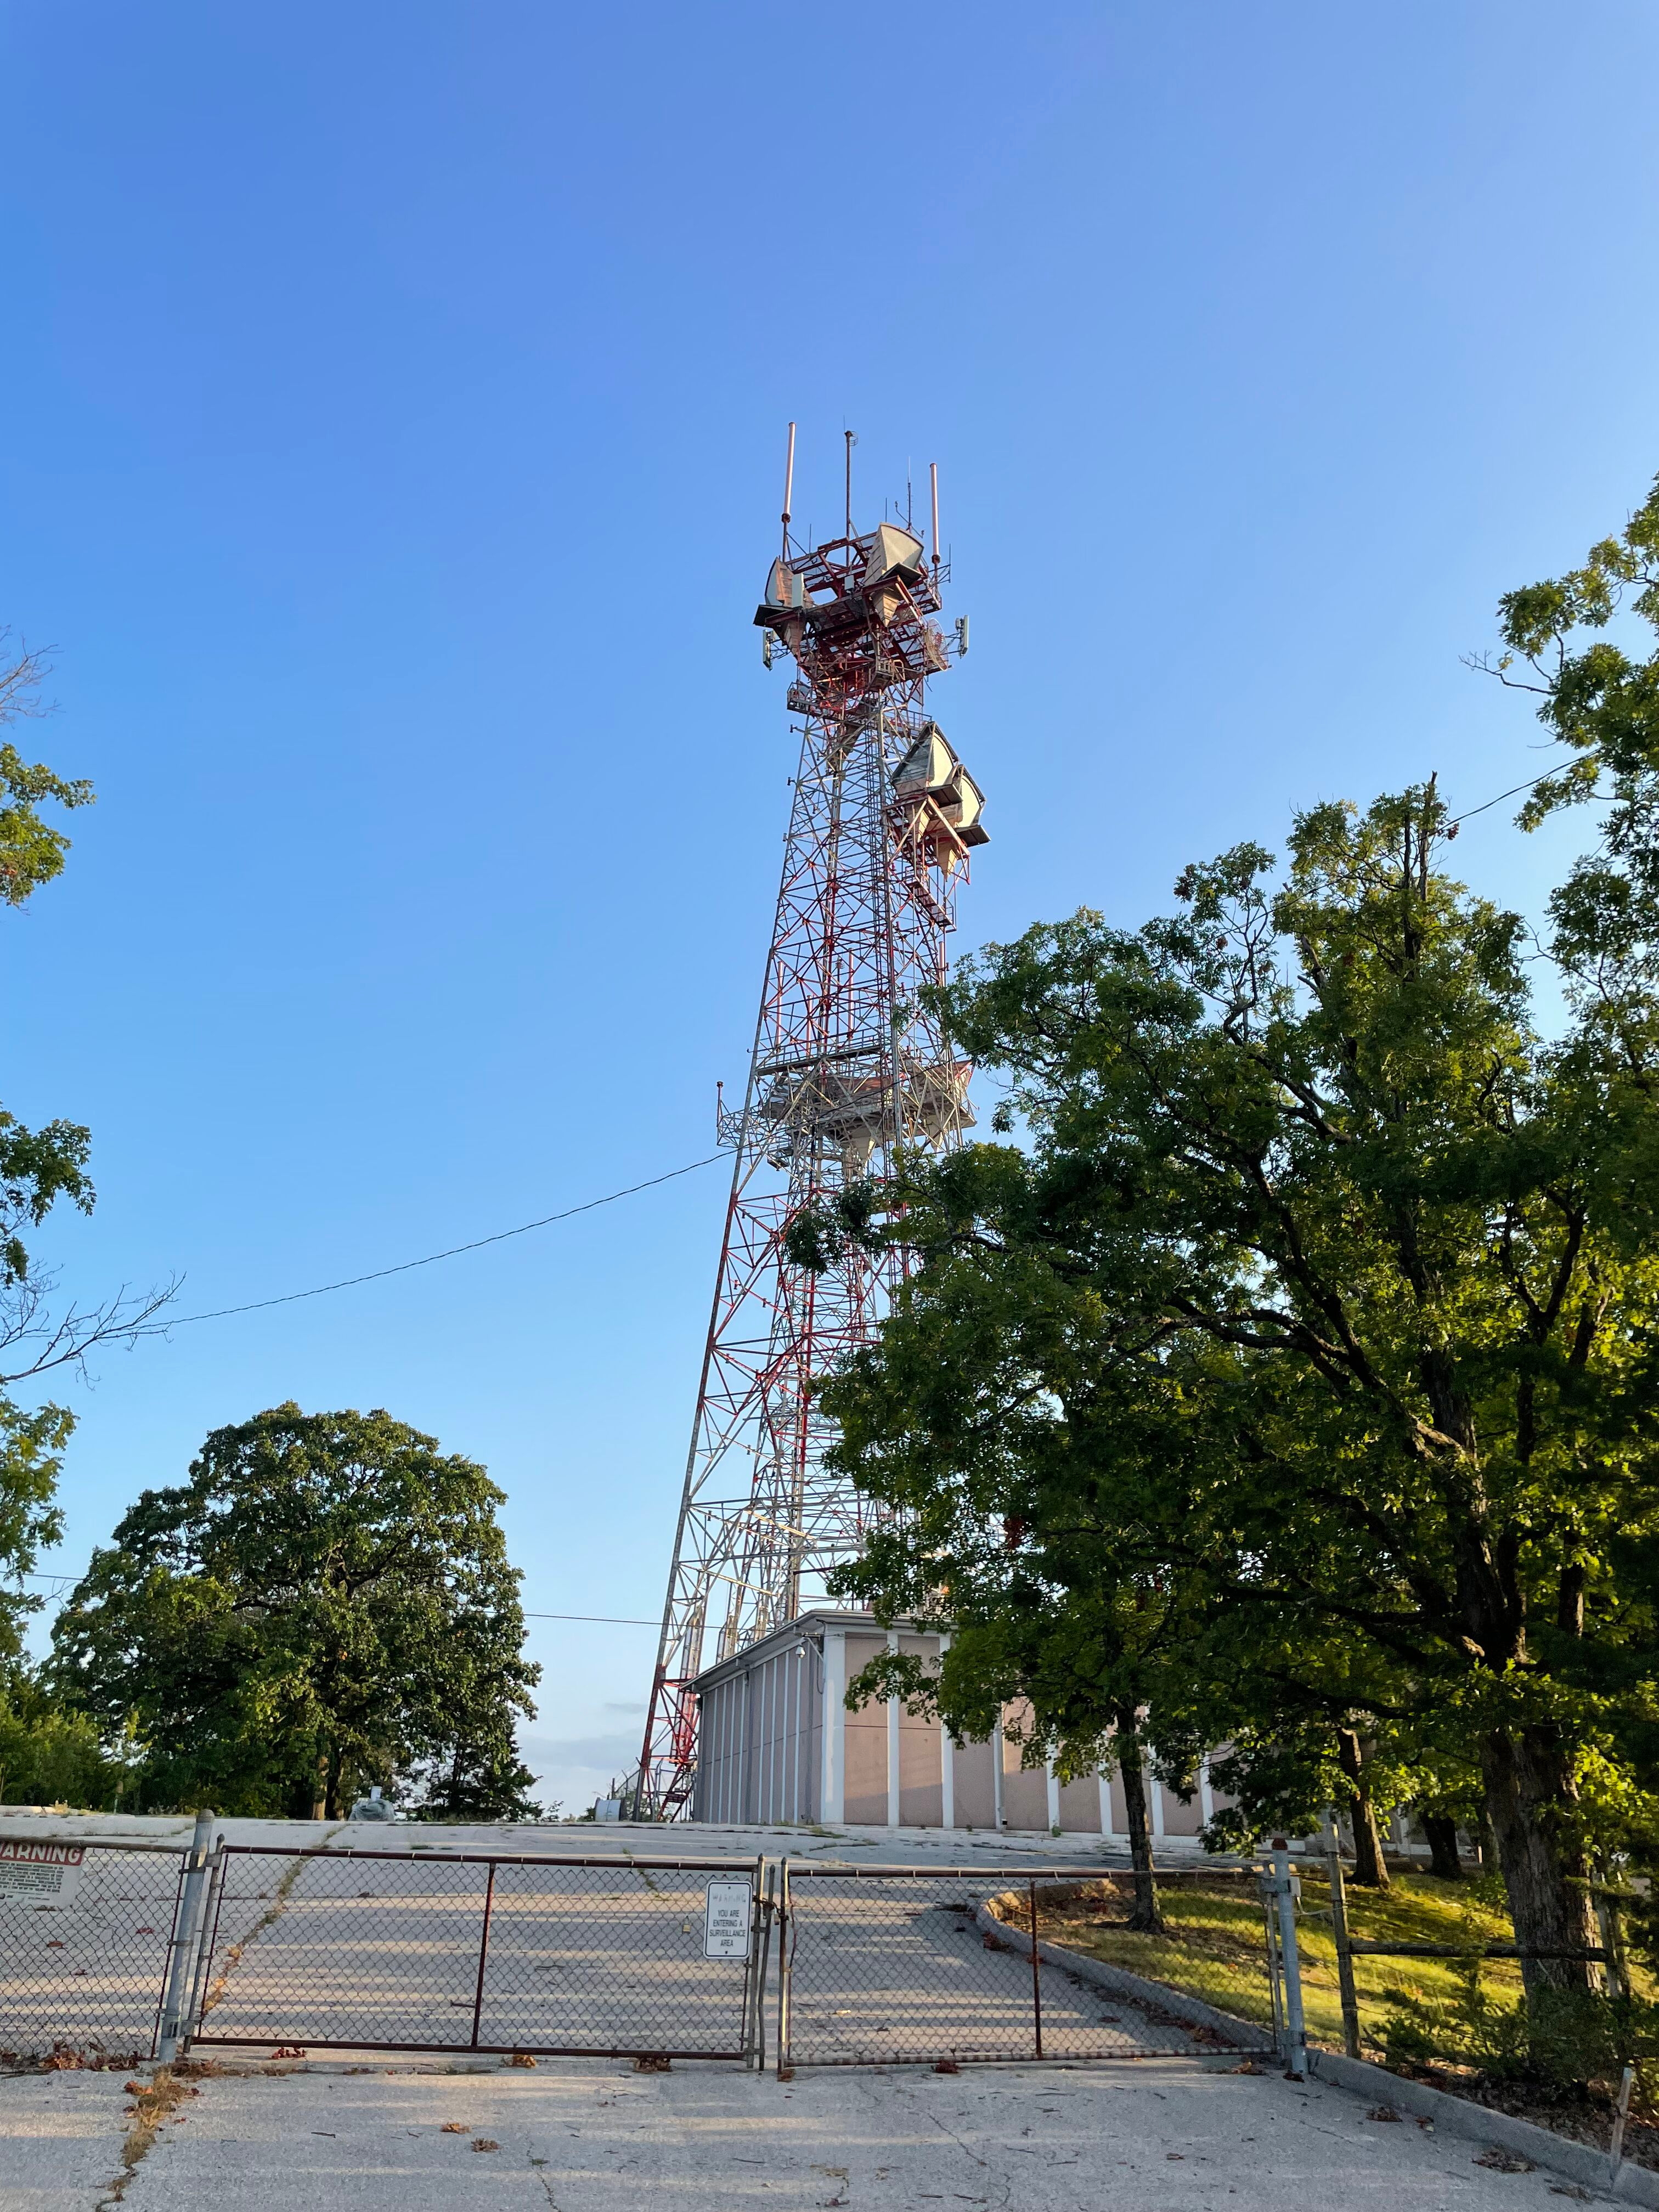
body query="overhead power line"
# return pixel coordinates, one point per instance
(569, 1212)
(450, 1252)
(608, 1620)
(62, 1583)
(1528, 785)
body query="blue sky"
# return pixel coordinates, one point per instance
(395, 403)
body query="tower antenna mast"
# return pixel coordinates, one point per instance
(849, 1066)
(789, 489)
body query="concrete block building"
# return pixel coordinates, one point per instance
(776, 1743)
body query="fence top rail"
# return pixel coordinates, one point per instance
(802, 1869)
(438, 1855)
(178, 1849)
(1367, 1950)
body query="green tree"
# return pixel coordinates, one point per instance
(1300, 1153)
(40, 1167)
(326, 1604)
(32, 849)
(51, 1757)
(1032, 1475)
(44, 1755)
(31, 1458)
(37, 1168)
(1586, 645)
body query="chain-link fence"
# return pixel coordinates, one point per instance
(960, 1965)
(408, 1951)
(123, 1951)
(85, 1933)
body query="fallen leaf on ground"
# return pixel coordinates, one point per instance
(451, 2128)
(1505, 2161)
(485, 2142)
(1382, 2113)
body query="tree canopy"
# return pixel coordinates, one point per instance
(32, 847)
(324, 1605)
(1309, 1333)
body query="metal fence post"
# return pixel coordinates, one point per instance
(1295, 2051)
(1266, 1896)
(1037, 1975)
(1340, 1928)
(760, 1944)
(199, 1995)
(1620, 2118)
(484, 1952)
(1608, 1922)
(785, 1964)
(186, 1937)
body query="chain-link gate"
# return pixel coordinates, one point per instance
(86, 1930)
(463, 1951)
(969, 1964)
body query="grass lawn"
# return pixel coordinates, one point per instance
(1215, 1947)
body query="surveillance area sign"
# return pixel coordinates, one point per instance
(40, 1870)
(725, 1920)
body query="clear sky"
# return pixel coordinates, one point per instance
(394, 402)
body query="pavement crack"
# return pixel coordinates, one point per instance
(215, 1990)
(153, 2104)
(940, 2125)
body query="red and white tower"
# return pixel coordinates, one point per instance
(848, 1067)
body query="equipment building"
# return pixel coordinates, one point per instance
(766, 1755)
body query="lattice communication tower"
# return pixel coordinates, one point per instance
(848, 1066)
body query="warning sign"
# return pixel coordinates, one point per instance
(725, 1920)
(40, 1870)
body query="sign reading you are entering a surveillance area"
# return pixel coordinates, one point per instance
(725, 1920)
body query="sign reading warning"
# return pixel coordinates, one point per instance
(42, 1871)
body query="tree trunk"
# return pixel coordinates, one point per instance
(1146, 1918)
(1369, 1871)
(1529, 1780)
(1442, 1833)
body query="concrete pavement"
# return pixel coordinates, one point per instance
(1159, 2135)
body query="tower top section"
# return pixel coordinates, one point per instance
(856, 612)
